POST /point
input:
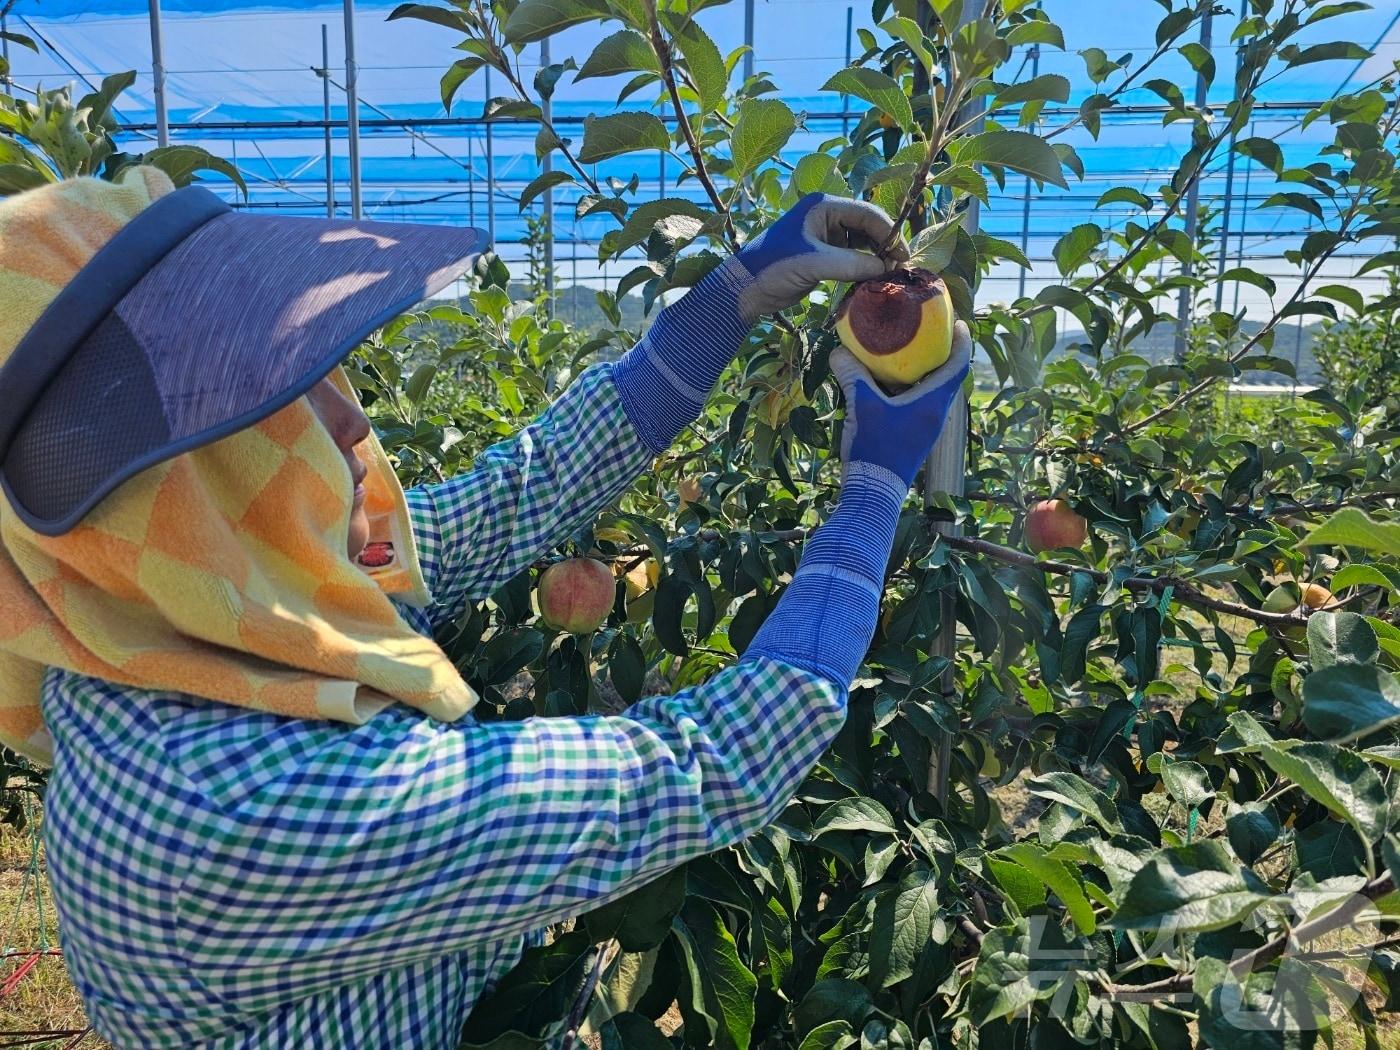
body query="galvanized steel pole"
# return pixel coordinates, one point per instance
(325, 72)
(158, 76)
(352, 111)
(1026, 206)
(945, 471)
(547, 198)
(490, 170)
(1229, 192)
(748, 38)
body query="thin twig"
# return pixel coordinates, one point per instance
(668, 77)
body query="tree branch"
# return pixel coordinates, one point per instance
(1182, 589)
(668, 76)
(1266, 953)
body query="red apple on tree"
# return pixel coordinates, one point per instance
(576, 595)
(1052, 523)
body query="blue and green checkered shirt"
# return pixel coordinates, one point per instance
(229, 878)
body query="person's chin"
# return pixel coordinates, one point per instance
(359, 534)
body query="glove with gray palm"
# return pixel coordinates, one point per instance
(665, 379)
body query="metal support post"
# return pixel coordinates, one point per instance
(325, 74)
(845, 100)
(1026, 205)
(490, 170)
(158, 76)
(1229, 193)
(5, 79)
(547, 198)
(748, 38)
(1193, 209)
(945, 471)
(352, 111)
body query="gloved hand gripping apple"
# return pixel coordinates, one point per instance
(665, 379)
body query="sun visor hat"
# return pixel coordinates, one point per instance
(192, 322)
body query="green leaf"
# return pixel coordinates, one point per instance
(1187, 782)
(1125, 195)
(1245, 275)
(1057, 875)
(1350, 699)
(1024, 890)
(1077, 793)
(833, 999)
(1195, 887)
(1337, 50)
(1015, 969)
(1344, 294)
(1350, 527)
(907, 30)
(544, 181)
(1074, 249)
(879, 89)
(632, 1031)
(537, 992)
(1265, 151)
(182, 162)
(642, 919)
(536, 19)
(712, 960)
(457, 74)
(762, 130)
(687, 217)
(1048, 87)
(705, 64)
(817, 173)
(625, 51)
(934, 246)
(833, 1035)
(1340, 637)
(619, 133)
(1253, 829)
(1018, 151)
(1339, 779)
(427, 13)
(856, 814)
(902, 927)
(99, 103)
(1037, 32)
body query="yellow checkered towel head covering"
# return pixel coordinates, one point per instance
(221, 573)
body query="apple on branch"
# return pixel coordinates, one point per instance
(1052, 524)
(576, 595)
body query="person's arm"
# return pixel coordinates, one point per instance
(405, 839)
(528, 493)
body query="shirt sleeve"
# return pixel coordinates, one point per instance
(406, 839)
(526, 494)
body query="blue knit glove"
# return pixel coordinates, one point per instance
(897, 432)
(815, 241)
(665, 379)
(826, 618)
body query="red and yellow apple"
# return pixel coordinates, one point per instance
(899, 325)
(1052, 523)
(576, 595)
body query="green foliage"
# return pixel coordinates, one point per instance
(52, 137)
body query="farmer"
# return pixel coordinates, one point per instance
(272, 820)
